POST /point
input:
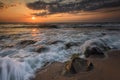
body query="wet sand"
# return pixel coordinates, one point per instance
(104, 69)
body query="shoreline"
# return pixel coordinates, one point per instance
(107, 68)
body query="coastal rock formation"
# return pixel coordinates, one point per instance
(77, 65)
(96, 47)
(94, 51)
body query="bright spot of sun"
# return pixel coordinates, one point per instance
(33, 18)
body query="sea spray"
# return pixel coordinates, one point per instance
(21, 63)
(14, 70)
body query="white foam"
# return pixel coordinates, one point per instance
(14, 70)
(107, 42)
(20, 64)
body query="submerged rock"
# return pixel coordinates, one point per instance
(77, 65)
(40, 49)
(94, 51)
(103, 34)
(24, 43)
(70, 44)
(4, 37)
(55, 42)
(48, 26)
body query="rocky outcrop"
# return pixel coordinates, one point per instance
(94, 51)
(77, 65)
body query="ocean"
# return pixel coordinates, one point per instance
(25, 48)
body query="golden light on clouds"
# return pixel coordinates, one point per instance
(20, 11)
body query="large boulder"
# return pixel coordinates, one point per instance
(77, 65)
(94, 51)
(95, 47)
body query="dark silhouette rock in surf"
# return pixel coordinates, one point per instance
(4, 37)
(94, 51)
(48, 26)
(25, 43)
(55, 42)
(40, 49)
(70, 44)
(95, 47)
(103, 34)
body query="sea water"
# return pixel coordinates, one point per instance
(20, 61)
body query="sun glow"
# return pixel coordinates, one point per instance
(33, 18)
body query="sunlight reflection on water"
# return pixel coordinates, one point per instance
(35, 32)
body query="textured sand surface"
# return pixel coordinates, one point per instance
(104, 69)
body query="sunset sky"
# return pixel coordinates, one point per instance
(59, 10)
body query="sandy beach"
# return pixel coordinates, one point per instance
(107, 68)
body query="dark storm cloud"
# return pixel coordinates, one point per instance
(59, 6)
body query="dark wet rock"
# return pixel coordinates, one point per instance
(70, 44)
(3, 37)
(100, 26)
(40, 49)
(8, 46)
(77, 65)
(113, 29)
(103, 34)
(26, 42)
(3, 45)
(55, 42)
(48, 26)
(94, 51)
